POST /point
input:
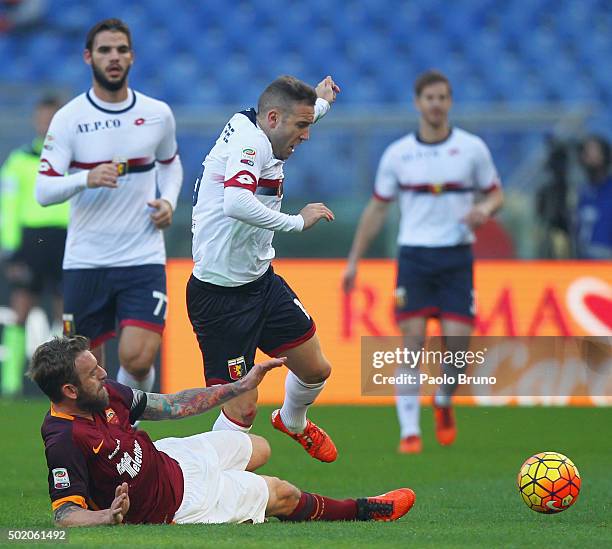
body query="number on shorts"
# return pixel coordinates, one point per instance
(162, 299)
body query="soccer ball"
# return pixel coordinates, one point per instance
(549, 482)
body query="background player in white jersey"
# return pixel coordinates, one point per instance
(436, 173)
(236, 302)
(112, 152)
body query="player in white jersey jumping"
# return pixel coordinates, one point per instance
(236, 302)
(436, 173)
(112, 153)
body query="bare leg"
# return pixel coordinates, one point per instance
(137, 350)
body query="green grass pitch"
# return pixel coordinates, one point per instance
(466, 494)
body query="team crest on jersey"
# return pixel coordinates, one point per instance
(248, 154)
(236, 368)
(111, 416)
(400, 297)
(68, 322)
(61, 480)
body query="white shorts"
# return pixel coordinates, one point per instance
(217, 489)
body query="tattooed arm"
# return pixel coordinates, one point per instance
(71, 514)
(197, 401)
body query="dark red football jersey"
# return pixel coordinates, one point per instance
(88, 459)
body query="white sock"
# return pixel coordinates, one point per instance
(408, 414)
(298, 397)
(224, 423)
(408, 405)
(146, 384)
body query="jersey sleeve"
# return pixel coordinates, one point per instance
(68, 476)
(57, 149)
(386, 185)
(167, 148)
(244, 164)
(485, 173)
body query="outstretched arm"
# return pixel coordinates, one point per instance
(192, 402)
(71, 514)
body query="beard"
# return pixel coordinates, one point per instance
(92, 403)
(104, 82)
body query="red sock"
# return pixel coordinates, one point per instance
(316, 507)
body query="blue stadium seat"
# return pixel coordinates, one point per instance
(212, 53)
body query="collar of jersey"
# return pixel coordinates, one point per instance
(112, 108)
(432, 143)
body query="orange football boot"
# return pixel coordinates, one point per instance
(446, 429)
(410, 445)
(387, 507)
(314, 439)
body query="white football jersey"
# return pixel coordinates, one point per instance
(226, 251)
(436, 184)
(111, 227)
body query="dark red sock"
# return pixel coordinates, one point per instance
(316, 507)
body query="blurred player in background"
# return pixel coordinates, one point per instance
(236, 302)
(112, 153)
(102, 471)
(32, 240)
(593, 230)
(436, 173)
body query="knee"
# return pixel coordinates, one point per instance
(138, 358)
(260, 454)
(243, 412)
(318, 372)
(286, 496)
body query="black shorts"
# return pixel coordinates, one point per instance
(435, 282)
(39, 260)
(232, 322)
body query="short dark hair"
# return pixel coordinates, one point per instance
(52, 365)
(430, 77)
(115, 25)
(285, 91)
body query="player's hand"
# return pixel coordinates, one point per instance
(162, 218)
(104, 175)
(120, 505)
(327, 89)
(477, 216)
(259, 371)
(315, 212)
(348, 277)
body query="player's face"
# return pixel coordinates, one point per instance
(291, 129)
(110, 58)
(92, 396)
(434, 103)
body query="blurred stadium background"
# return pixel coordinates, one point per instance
(528, 77)
(523, 74)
